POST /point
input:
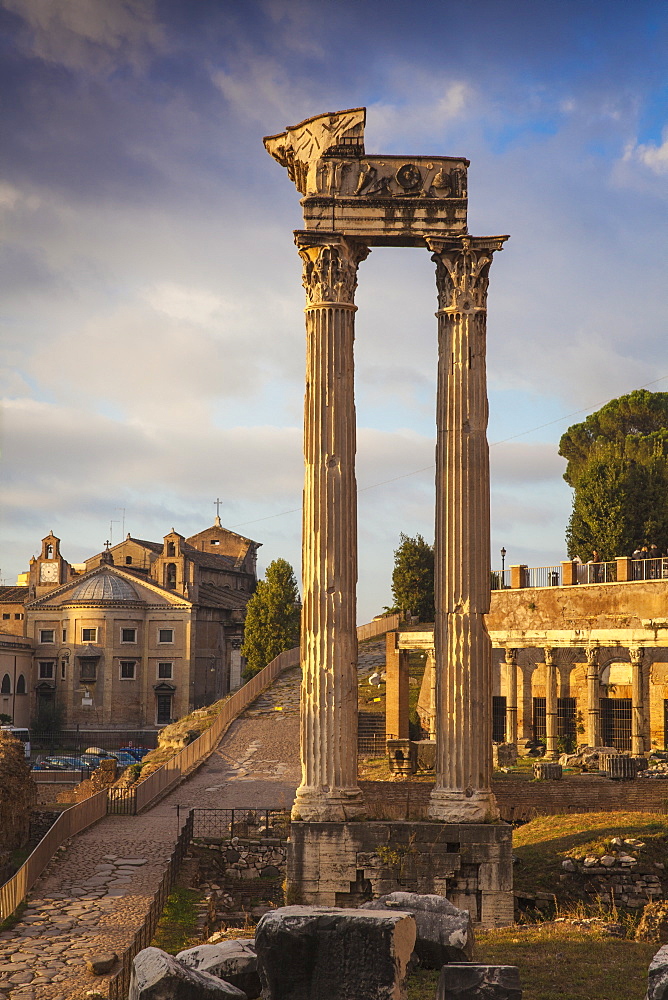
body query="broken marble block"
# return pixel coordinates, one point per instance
(466, 981)
(316, 952)
(159, 976)
(444, 932)
(233, 961)
(657, 977)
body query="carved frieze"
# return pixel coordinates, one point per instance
(329, 272)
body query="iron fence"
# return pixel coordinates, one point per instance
(245, 822)
(122, 801)
(120, 984)
(602, 572)
(544, 576)
(649, 569)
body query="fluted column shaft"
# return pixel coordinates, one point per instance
(551, 713)
(511, 695)
(593, 698)
(637, 701)
(329, 790)
(463, 650)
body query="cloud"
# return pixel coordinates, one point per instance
(654, 157)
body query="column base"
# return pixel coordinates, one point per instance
(339, 805)
(450, 805)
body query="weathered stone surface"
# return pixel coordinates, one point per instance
(657, 976)
(547, 771)
(311, 953)
(444, 932)
(479, 982)
(158, 976)
(101, 964)
(653, 924)
(233, 961)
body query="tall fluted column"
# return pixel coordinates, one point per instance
(637, 704)
(329, 790)
(511, 696)
(462, 792)
(593, 698)
(551, 713)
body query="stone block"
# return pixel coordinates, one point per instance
(547, 771)
(479, 982)
(426, 755)
(504, 754)
(233, 961)
(100, 964)
(307, 953)
(158, 976)
(402, 755)
(621, 767)
(444, 932)
(657, 976)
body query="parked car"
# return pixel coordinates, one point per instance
(58, 762)
(124, 758)
(137, 752)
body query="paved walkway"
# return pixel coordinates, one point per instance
(95, 892)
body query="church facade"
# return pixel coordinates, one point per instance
(141, 633)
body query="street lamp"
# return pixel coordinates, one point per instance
(503, 567)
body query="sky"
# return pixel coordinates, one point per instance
(151, 305)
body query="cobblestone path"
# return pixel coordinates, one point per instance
(93, 895)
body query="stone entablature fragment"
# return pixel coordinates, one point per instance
(384, 200)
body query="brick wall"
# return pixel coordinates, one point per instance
(524, 799)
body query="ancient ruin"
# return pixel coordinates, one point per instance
(351, 202)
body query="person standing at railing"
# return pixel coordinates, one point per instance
(637, 565)
(654, 565)
(596, 572)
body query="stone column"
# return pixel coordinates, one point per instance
(551, 714)
(396, 689)
(511, 696)
(593, 698)
(329, 790)
(462, 792)
(636, 654)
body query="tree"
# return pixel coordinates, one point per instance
(618, 468)
(272, 617)
(413, 578)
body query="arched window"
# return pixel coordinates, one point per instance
(170, 576)
(6, 687)
(128, 560)
(171, 550)
(21, 685)
(49, 552)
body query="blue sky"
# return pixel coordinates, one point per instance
(151, 300)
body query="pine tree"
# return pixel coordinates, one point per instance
(618, 468)
(272, 617)
(413, 578)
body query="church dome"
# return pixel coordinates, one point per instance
(104, 587)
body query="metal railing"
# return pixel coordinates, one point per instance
(379, 626)
(601, 572)
(649, 569)
(73, 820)
(544, 576)
(120, 984)
(244, 822)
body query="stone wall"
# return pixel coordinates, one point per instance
(523, 799)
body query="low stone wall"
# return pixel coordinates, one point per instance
(521, 800)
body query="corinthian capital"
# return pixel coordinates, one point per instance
(330, 265)
(462, 271)
(636, 654)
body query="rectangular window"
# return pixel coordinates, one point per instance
(46, 670)
(163, 708)
(166, 635)
(128, 635)
(46, 635)
(64, 635)
(5, 616)
(63, 667)
(498, 719)
(165, 671)
(89, 635)
(539, 718)
(18, 618)
(127, 670)
(87, 670)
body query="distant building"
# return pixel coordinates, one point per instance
(143, 632)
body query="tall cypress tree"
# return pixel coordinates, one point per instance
(413, 577)
(272, 617)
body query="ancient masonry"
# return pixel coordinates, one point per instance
(351, 202)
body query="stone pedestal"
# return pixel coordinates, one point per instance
(547, 771)
(396, 689)
(329, 791)
(462, 551)
(343, 864)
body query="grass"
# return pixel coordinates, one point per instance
(177, 926)
(542, 844)
(558, 962)
(14, 918)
